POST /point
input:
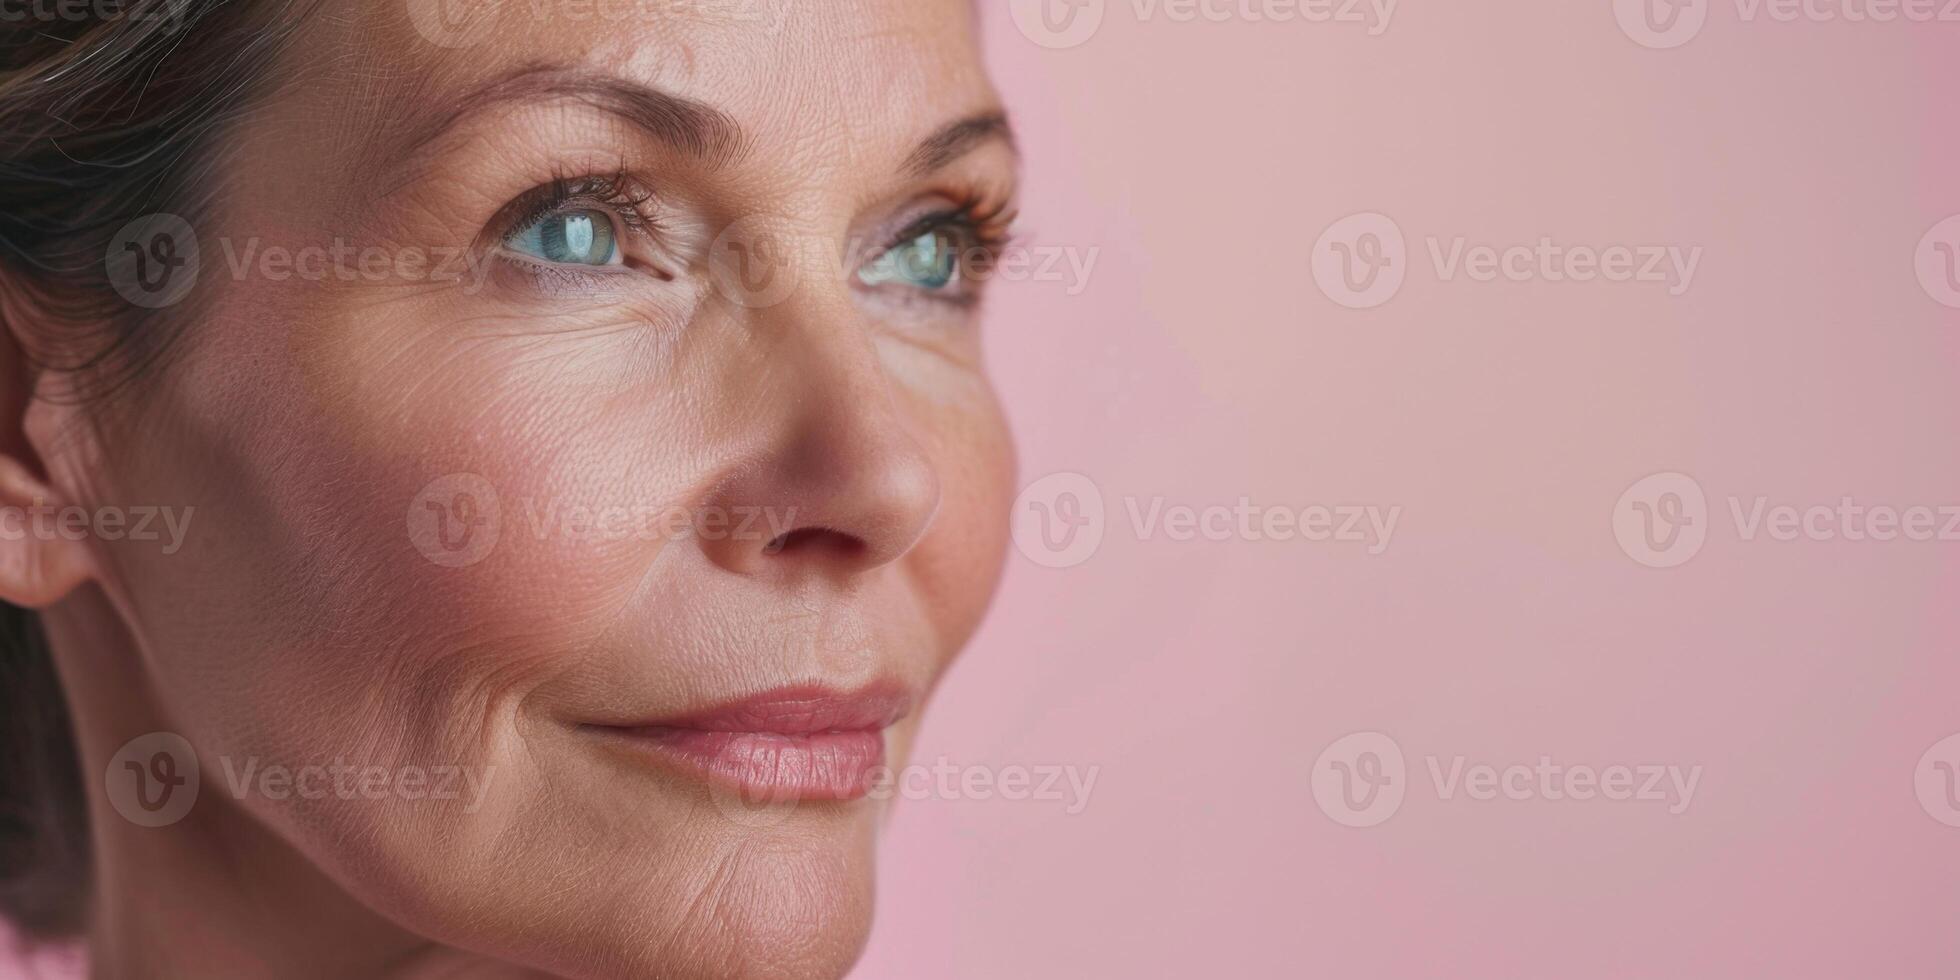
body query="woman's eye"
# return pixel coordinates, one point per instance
(930, 261)
(582, 237)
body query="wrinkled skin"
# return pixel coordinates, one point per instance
(302, 621)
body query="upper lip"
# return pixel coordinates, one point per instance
(797, 710)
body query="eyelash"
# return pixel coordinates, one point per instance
(989, 225)
(978, 224)
(617, 194)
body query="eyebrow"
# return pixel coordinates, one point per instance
(694, 128)
(957, 140)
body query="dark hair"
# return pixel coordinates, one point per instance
(108, 109)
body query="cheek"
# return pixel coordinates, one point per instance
(391, 540)
(957, 565)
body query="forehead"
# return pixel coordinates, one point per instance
(799, 75)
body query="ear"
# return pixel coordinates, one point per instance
(44, 550)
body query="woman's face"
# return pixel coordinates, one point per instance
(587, 398)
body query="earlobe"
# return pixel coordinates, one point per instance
(43, 556)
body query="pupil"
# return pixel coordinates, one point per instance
(575, 238)
(578, 235)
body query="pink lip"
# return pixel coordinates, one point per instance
(789, 744)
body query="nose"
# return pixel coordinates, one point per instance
(841, 485)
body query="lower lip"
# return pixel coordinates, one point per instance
(771, 766)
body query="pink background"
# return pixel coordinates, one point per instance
(1504, 623)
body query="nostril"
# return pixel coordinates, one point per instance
(811, 539)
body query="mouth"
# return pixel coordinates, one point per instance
(789, 744)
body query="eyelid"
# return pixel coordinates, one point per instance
(617, 195)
